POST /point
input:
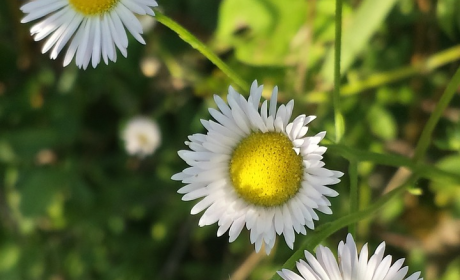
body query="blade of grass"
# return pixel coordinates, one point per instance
(366, 21)
(202, 48)
(354, 201)
(423, 170)
(338, 118)
(378, 79)
(425, 137)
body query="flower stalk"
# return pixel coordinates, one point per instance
(202, 48)
(338, 118)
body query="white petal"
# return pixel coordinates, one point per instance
(209, 157)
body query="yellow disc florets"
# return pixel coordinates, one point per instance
(265, 170)
(93, 7)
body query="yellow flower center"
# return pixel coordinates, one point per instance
(93, 7)
(265, 170)
(142, 138)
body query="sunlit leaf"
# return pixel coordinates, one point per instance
(261, 30)
(447, 15)
(382, 123)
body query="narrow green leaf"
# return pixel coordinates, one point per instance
(423, 170)
(354, 193)
(339, 122)
(356, 36)
(425, 138)
(202, 48)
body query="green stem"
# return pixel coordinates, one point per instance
(379, 79)
(421, 169)
(354, 202)
(325, 230)
(446, 97)
(202, 48)
(338, 118)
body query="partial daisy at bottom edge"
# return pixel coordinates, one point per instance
(256, 169)
(350, 265)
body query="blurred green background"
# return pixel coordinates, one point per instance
(74, 205)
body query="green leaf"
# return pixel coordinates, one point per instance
(447, 15)
(262, 32)
(202, 48)
(447, 193)
(382, 123)
(356, 36)
(6, 152)
(9, 255)
(27, 142)
(38, 188)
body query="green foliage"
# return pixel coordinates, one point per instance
(381, 123)
(453, 270)
(262, 31)
(75, 205)
(357, 34)
(448, 194)
(447, 15)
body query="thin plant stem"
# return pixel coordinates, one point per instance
(338, 119)
(446, 97)
(354, 201)
(202, 48)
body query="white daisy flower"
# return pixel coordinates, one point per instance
(142, 136)
(254, 168)
(349, 266)
(94, 27)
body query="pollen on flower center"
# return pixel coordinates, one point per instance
(93, 7)
(142, 138)
(265, 170)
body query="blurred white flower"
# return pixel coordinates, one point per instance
(350, 265)
(94, 27)
(254, 168)
(141, 136)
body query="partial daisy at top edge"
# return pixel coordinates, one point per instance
(255, 168)
(92, 29)
(350, 265)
